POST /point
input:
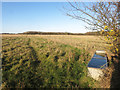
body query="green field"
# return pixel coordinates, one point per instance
(47, 61)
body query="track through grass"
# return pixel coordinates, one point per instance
(38, 62)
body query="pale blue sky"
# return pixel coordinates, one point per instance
(20, 17)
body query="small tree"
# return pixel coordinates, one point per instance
(101, 16)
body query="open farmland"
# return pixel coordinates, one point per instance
(48, 60)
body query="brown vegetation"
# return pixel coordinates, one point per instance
(47, 46)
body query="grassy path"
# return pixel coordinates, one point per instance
(35, 61)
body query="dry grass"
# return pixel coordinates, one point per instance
(87, 43)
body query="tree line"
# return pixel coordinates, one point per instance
(55, 33)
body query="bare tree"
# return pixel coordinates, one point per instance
(100, 16)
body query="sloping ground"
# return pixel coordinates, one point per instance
(111, 78)
(37, 62)
(115, 80)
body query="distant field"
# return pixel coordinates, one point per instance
(48, 60)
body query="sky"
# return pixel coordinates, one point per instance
(18, 17)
